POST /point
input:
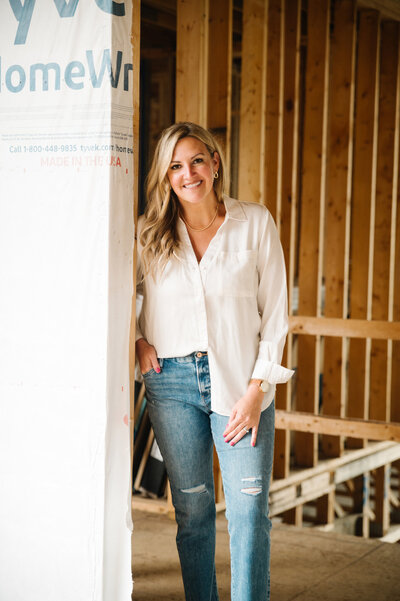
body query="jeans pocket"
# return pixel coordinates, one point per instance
(152, 370)
(147, 373)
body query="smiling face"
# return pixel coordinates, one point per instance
(191, 171)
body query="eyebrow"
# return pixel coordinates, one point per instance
(191, 158)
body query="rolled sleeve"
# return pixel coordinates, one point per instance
(272, 307)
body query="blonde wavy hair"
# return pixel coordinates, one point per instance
(159, 236)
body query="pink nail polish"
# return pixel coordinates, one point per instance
(232, 444)
(158, 370)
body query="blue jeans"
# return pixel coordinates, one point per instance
(186, 429)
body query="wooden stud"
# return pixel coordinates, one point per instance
(363, 208)
(356, 489)
(289, 184)
(379, 386)
(220, 75)
(312, 209)
(273, 108)
(326, 508)
(289, 194)
(395, 271)
(144, 459)
(252, 102)
(382, 502)
(139, 403)
(294, 516)
(337, 212)
(395, 400)
(192, 61)
(219, 63)
(366, 504)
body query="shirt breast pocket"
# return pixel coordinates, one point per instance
(235, 273)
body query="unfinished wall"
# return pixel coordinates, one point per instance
(322, 124)
(313, 133)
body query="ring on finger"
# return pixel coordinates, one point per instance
(246, 429)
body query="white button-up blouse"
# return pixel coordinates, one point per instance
(233, 304)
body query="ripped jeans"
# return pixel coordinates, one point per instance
(186, 429)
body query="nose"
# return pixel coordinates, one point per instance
(188, 169)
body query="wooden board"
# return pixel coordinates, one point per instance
(273, 108)
(380, 397)
(219, 63)
(308, 422)
(363, 208)
(395, 400)
(192, 61)
(312, 207)
(382, 500)
(252, 101)
(350, 328)
(395, 261)
(379, 386)
(288, 190)
(389, 9)
(337, 212)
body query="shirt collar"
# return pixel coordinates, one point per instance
(234, 209)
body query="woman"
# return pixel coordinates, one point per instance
(209, 343)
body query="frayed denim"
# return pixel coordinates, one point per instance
(186, 430)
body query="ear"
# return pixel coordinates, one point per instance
(216, 160)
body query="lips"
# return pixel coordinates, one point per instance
(191, 186)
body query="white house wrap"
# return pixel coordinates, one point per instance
(66, 235)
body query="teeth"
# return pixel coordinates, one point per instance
(189, 186)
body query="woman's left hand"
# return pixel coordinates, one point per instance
(245, 416)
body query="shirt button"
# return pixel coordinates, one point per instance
(199, 354)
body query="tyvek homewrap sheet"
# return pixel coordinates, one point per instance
(66, 236)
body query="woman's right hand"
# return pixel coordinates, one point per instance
(147, 356)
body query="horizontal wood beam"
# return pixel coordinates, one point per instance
(318, 424)
(389, 9)
(348, 328)
(309, 484)
(381, 452)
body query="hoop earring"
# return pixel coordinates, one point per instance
(216, 175)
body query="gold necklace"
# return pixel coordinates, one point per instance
(200, 229)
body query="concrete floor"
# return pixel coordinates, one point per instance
(306, 565)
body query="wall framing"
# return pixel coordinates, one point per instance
(319, 139)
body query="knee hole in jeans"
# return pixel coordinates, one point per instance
(251, 490)
(196, 489)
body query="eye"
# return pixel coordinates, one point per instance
(174, 167)
(198, 160)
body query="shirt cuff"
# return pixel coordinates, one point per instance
(271, 372)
